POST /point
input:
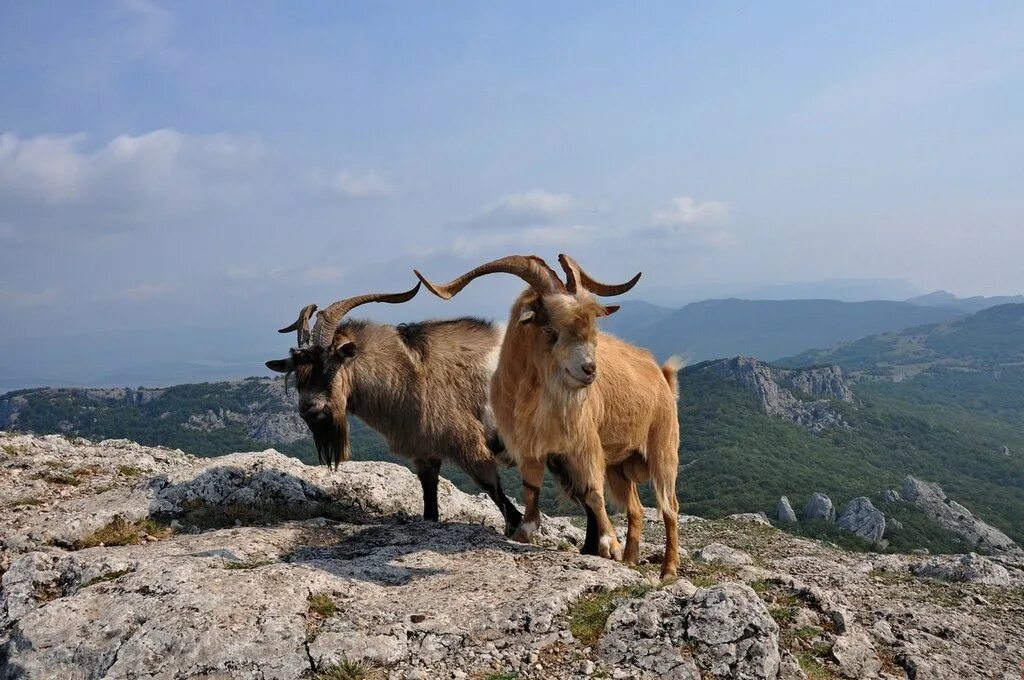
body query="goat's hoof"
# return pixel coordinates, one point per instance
(609, 548)
(520, 536)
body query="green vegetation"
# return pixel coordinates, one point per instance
(322, 605)
(588, 614)
(109, 576)
(120, 531)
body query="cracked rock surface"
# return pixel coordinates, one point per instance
(124, 561)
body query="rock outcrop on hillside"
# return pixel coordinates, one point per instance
(806, 396)
(784, 511)
(123, 561)
(952, 516)
(820, 507)
(862, 518)
(262, 408)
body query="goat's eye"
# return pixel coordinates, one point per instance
(550, 332)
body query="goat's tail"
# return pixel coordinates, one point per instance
(670, 369)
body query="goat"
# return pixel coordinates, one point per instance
(585, 404)
(423, 386)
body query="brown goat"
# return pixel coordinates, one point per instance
(585, 404)
(423, 386)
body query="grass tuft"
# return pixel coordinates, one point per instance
(120, 531)
(129, 471)
(322, 605)
(351, 670)
(814, 668)
(109, 576)
(588, 615)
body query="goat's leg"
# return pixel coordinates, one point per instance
(625, 494)
(532, 471)
(559, 467)
(427, 471)
(485, 473)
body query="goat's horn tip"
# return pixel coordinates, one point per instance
(438, 291)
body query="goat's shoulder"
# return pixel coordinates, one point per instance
(423, 336)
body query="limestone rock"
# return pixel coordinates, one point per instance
(950, 515)
(970, 568)
(784, 511)
(727, 626)
(820, 507)
(750, 518)
(891, 496)
(862, 518)
(784, 392)
(716, 553)
(855, 655)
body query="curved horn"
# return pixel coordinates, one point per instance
(529, 268)
(301, 325)
(577, 278)
(327, 320)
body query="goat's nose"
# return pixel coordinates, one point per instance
(589, 367)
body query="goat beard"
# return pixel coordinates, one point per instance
(332, 443)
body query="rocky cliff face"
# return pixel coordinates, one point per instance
(806, 397)
(950, 515)
(260, 406)
(123, 561)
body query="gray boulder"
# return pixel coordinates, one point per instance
(820, 507)
(727, 627)
(891, 496)
(750, 518)
(970, 568)
(716, 553)
(784, 511)
(862, 518)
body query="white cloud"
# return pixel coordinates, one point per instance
(19, 298)
(348, 184)
(529, 239)
(533, 207)
(310, 274)
(146, 291)
(685, 210)
(322, 274)
(53, 178)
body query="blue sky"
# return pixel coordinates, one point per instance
(211, 167)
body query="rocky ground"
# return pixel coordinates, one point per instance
(122, 561)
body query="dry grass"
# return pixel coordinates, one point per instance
(351, 670)
(120, 531)
(588, 615)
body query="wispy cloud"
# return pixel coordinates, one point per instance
(350, 184)
(20, 298)
(535, 207)
(685, 210)
(145, 291)
(529, 238)
(131, 179)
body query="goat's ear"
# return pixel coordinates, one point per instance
(346, 351)
(527, 316)
(608, 310)
(281, 365)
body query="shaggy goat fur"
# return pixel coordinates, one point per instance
(423, 386)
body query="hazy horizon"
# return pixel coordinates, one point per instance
(163, 187)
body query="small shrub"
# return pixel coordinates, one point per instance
(322, 605)
(782, 614)
(814, 668)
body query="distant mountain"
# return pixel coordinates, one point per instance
(634, 316)
(844, 290)
(991, 339)
(941, 298)
(769, 329)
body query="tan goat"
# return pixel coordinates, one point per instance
(585, 404)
